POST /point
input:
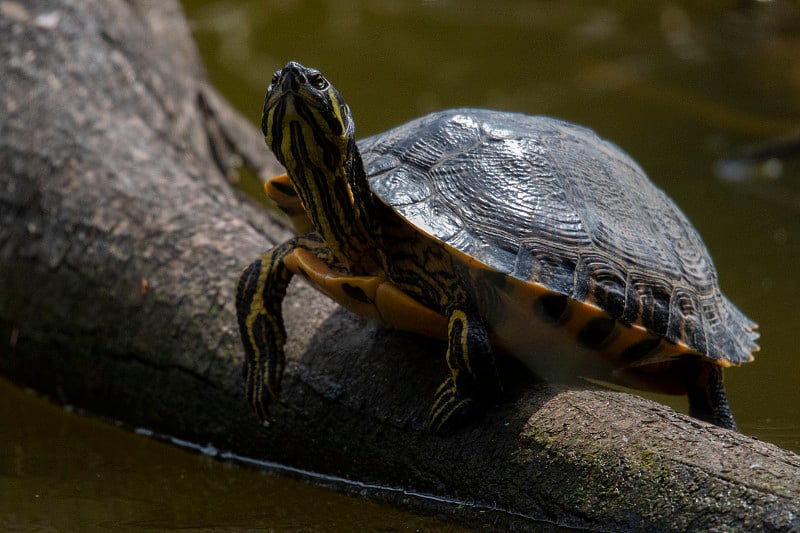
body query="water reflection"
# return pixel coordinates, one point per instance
(65, 472)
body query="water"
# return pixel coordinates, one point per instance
(677, 87)
(60, 471)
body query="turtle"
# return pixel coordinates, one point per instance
(499, 232)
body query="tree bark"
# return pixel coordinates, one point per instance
(120, 245)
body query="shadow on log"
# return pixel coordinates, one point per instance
(120, 243)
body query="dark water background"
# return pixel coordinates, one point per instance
(60, 471)
(677, 85)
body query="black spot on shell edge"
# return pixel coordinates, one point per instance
(553, 307)
(283, 188)
(356, 293)
(597, 332)
(641, 349)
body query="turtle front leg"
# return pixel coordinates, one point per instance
(259, 296)
(473, 382)
(707, 398)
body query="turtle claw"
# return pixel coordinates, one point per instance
(263, 382)
(263, 366)
(451, 409)
(260, 401)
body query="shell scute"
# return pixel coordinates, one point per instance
(433, 210)
(647, 300)
(602, 282)
(686, 321)
(401, 188)
(549, 265)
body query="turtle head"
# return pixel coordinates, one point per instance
(309, 128)
(305, 119)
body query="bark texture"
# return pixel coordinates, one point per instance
(120, 243)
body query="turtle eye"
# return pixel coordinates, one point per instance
(317, 81)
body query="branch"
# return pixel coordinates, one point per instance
(120, 244)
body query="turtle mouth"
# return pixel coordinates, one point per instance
(292, 77)
(306, 84)
(290, 82)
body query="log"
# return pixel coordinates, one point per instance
(121, 239)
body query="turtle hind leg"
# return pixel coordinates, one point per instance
(707, 398)
(451, 409)
(473, 382)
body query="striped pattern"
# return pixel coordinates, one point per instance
(313, 145)
(473, 380)
(259, 294)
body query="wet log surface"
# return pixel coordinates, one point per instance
(120, 243)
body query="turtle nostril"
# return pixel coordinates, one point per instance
(294, 76)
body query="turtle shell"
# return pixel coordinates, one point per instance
(551, 204)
